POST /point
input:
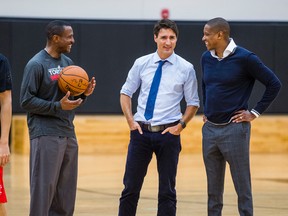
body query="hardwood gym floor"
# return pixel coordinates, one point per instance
(101, 170)
(100, 184)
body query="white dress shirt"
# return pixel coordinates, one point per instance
(178, 80)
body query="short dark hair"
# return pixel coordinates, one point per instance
(166, 24)
(55, 27)
(219, 24)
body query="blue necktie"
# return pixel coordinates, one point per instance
(153, 92)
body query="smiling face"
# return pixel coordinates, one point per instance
(210, 38)
(65, 40)
(166, 42)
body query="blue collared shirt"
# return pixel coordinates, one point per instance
(178, 80)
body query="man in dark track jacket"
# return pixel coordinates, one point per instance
(50, 115)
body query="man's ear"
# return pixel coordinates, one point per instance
(55, 38)
(155, 37)
(220, 34)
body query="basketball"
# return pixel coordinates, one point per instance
(74, 79)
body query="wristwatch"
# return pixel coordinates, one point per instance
(183, 124)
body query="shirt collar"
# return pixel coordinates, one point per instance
(171, 58)
(229, 49)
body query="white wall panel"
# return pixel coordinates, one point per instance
(194, 10)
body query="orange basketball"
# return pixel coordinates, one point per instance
(74, 79)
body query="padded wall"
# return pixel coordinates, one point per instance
(107, 50)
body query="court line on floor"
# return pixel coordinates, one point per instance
(179, 201)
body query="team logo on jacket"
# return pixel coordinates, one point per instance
(54, 72)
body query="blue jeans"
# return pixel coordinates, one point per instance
(221, 144)
(140, 150)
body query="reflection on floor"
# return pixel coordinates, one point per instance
(100, 184)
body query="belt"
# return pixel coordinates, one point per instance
(156, 128)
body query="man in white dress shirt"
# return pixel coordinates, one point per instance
(158, 132)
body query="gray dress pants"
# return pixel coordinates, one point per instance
(53, 175)
(227, 143)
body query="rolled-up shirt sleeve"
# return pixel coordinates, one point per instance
(191, 89)
(132, 82)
